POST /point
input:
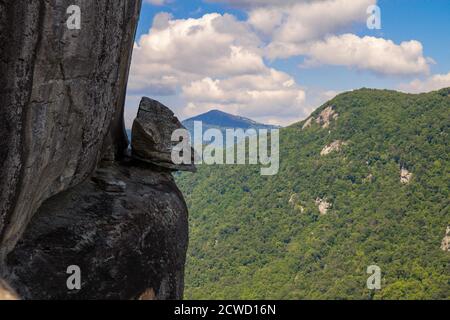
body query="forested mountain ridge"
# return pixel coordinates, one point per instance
(363, 181)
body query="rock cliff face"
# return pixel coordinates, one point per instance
(63, 162)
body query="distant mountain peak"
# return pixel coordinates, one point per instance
(221, 119)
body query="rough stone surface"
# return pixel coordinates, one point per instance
(69, 193)
(62, 94)
(127, 242)
(152, 135)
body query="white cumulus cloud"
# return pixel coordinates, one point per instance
(315, 30)
(434, 82)
(257, 3)
(214, 61)
(369, 53)
(307, 20)
(217, 61)
(263, 96)
(177, 51)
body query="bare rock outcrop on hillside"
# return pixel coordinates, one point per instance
(323, 205)
(308, 123)
(405, 176)
(294, 202)
(445, 245)
(335, 146)
(69, 192)
(324, 118)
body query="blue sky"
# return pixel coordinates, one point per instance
(280, 73)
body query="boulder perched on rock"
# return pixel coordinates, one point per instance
(152, 135)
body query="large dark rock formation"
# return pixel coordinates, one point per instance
(126, 228)
(63, 163)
